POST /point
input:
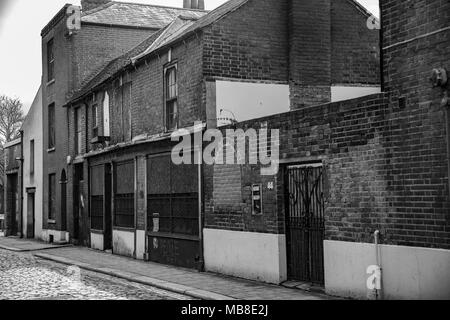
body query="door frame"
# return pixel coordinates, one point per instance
(286, 185)
(31, 195)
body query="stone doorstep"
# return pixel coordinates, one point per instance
(160, 284)
(305, 286)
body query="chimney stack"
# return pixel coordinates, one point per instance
(87, 5)
(194, 4)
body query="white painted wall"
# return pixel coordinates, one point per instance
(58, 236)
(140, 244)
(341, 93)
(97, 242)
(250, 100)
(123, 243)
(254, 256)
(407, 272)
(33, 129)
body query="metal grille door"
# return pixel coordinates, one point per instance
(305, 223)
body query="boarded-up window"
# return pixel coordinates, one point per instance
(97, 197)
(172, 197)
(121, 112)
(124, 195)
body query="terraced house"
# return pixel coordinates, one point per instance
(74, 47)
(127, 196)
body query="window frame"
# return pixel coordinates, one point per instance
(51, 126)
(171, 100)
(124, 197)
(32, 156)
(95, 120)
(78, 130)
(50, 60)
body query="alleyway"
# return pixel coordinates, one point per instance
(25, 277)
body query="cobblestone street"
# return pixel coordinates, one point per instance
(24, 277)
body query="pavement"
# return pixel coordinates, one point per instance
(185, 282)
(22, 245)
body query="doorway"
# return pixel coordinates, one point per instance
(31, 218)
(80, 220)
(63, 186)
(108, 233)
(305, 207)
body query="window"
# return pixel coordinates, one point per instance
(78, 131)
(172, 197)
(50, 60)
(106, 129)
(124, 195)
(97, 198)
(95, 120)
(171, 96)
(32, 157)
(51, 126)
(52, 197)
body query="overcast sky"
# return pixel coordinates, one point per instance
(21, 22)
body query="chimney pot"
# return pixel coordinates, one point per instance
(194, 4)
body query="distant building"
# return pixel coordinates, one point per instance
(12, 222)
(32, 190)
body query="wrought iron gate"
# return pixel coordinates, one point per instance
(305, 223)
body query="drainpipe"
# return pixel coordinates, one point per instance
(200, 206)
(21, 185)
(378, 262)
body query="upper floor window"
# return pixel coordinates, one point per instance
(50, 60)
(95, 120)
(171, 98)
(32, 157)
(78, 131)
(51, 126)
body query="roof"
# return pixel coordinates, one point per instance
(137, 15)
(179, 28)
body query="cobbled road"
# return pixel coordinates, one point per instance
(25, 277)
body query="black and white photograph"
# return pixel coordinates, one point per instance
(220, 156)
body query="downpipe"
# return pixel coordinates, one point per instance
(374, 282)
(378, 288)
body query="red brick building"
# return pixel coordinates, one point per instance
(137, 202)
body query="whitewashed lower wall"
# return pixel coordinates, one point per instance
(254, 256)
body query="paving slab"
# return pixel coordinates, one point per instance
(205, 286)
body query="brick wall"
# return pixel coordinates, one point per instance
(249, 43)
(311, 44)
(353, 140)
(355, 49)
